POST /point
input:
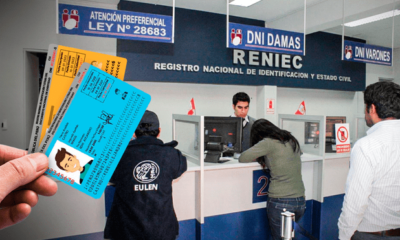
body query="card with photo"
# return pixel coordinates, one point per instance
(92, 128)
(61, 68)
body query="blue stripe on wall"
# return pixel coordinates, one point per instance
(89, 236)
(316, 219)
(242, 225)
(330, 212)
(189, 229)
(320, 219)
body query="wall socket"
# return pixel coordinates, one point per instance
(4, 125)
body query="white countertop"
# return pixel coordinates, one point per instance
(337, 155)
(307, 157)
(194, 165)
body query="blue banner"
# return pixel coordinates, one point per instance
(200, 55)
(100, 22)
(265, 39)
(361, 52)
(260, 186)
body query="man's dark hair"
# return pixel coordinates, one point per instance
(144, 130)
(60, 156)
(240, 96)
(386, 98)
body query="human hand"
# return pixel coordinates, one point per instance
(21, 180)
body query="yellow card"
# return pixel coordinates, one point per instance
(66, 65)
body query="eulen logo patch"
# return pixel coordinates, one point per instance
(146, 171)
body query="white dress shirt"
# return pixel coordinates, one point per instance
(245, 120)
(372, 195)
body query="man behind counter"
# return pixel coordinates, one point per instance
(240, 105)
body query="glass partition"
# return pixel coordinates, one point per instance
(361, 127)
(308, 130)
(187, 130)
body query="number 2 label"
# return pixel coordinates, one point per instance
(261, 191)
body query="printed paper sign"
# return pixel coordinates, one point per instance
(100, 22)
(92, 128)
(361, 52)
(62, 64)
(342, 138)
(260, 186)
(265, 39)
(270, 106)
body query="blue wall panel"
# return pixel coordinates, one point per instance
(189, 229)
(306, 221)
(243, 225)
(251, 224)
(320, 219)
(200, 39)
(330, 212)
(316, 218)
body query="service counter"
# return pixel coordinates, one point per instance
(223, 192)
(234, 163)
(219, 193)
(336, 168)
(228, 187)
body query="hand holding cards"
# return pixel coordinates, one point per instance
(91, 129)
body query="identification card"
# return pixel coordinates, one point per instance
(61, 67)
(43, 94)
(92, 129)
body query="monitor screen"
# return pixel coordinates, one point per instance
(311, 134)
(225, 132)
(330, 125)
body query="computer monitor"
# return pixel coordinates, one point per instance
(330, 125)
(311, 133)
(330, 136)
(222, 135)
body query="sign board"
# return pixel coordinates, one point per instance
(260, 186)
(361, 52)
(270, 106)
(265, 39)
(342, 137)
(98, 22)
(200, 55)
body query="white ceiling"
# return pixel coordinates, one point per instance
(322, 15)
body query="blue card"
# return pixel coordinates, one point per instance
(92, 129)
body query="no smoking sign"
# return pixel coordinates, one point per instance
(342, 138)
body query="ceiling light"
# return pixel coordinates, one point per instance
(244, 3)
(373, 18)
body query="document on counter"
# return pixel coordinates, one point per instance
(92, 129)
(62, 65)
